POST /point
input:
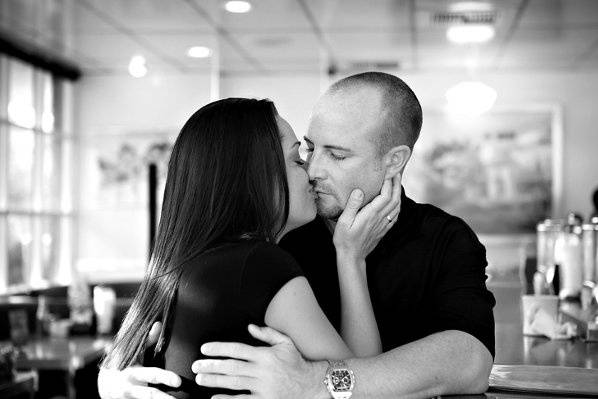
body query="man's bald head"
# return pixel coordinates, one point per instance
(399, 110)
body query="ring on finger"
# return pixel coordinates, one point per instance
(389, 218)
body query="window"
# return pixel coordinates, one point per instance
(36, 150)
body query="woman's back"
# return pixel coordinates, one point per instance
(220, 293)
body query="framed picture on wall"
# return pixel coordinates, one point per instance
(114, 218)
(500, 171)
(117, 167)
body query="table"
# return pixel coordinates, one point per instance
(24, 384)
(68, 354)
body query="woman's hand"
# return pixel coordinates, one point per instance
(358, 231)
(356, 234)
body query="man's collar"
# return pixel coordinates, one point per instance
(407, 206)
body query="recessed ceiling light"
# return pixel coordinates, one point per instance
(470, 98)
(137, 67)
(199, 52)
(471, 6)
(470, 33)
(237, 6)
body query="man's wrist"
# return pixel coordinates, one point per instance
(317, 375)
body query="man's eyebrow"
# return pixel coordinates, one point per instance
(338, 148)
(328, 147)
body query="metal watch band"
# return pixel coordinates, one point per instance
(341, 395)
(339, 364)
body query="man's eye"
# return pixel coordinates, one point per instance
(300, 162)
(337, 157)
(309, 149)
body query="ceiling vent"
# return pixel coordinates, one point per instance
(465, 17)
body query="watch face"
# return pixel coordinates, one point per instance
(341, 380)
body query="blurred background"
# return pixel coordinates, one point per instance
(93, 93)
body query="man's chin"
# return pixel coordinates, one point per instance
(329, 212)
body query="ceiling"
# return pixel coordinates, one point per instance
(288, 36)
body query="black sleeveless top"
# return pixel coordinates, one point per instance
(220, 293)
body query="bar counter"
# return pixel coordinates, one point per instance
(530, 367)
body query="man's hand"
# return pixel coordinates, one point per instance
(131, 383)
(272, 372)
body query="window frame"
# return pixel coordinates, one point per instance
(63, 154)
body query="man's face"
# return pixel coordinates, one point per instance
(342, 150)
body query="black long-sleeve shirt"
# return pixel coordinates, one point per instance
(426, 275)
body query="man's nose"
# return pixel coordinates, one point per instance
(315, 171)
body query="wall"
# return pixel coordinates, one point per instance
(294, 96)
(112, 242)
(574, 92)
(113, 221)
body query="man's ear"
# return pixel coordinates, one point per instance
(396, 159)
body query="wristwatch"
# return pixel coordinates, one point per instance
(339, 380)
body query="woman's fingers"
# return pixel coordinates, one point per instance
(381, 205)
(153, 335)
(353, 204)
(393, 207)
(380, 201)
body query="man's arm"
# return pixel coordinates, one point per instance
(449, 362)
(456, 357)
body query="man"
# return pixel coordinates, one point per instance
(426, 276)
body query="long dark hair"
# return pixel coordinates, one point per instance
(226, 181)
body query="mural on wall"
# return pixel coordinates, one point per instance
(114, 201)
(122, 167)
(495, 171)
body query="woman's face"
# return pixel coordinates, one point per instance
(302, 205)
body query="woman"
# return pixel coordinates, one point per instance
(235, 186)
